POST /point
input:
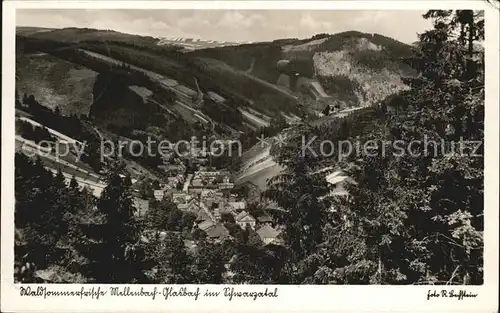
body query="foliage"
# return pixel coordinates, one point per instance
(71, 126)
(371, 58)
(33, 132)
(172, 264)
(46, 217)
(409, 218)
(264, 55)
(303, 66)
(225, 114)
(115, 252)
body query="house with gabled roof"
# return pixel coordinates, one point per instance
(193, 206)
(202, 215)
(208, 194)
(338, 182)
(206, 225)
(244, 219)
(190, 205)
(237, 205)
(218, 232)
(268, 234)
(206, 210)
(180, 197)
(226, 184)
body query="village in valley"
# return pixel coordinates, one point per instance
(330, 183)
(210, 195)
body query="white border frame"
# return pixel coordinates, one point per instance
(291, 298)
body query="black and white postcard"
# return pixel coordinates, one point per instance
(250, 156)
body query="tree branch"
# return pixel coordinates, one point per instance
(453, 275)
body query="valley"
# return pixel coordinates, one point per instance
(182, 94)
(300, 160)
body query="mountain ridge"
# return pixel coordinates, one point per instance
(290, 77)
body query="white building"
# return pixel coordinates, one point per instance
(159, 194)
(268, 234)
(244, 219)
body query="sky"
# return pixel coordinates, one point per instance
(232, 25)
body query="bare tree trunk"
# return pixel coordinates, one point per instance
(470, 48)
(380, 267)
(471, 38)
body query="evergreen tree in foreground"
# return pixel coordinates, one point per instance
(116, 254)
(413, 217)
(419, 215)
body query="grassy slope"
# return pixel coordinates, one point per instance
(54, 81)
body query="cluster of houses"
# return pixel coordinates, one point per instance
(209, 197)
(206, 193)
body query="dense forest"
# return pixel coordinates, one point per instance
(77, 238)
(415, 218)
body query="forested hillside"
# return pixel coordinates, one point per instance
(353, 67)
(412, 217)
(294, 77)
(407, 216)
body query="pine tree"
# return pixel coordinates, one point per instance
(41, 203)
(410, 218)
(455, 183)
(171, 261)
(426, 208)
(117, 257)
(73, 185)
(209, 265)
(302, 213)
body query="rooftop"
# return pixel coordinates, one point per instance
(264, 218)
(237, 205)
(267, 231)
(243, 215)
(219, 231)
(206, 225)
